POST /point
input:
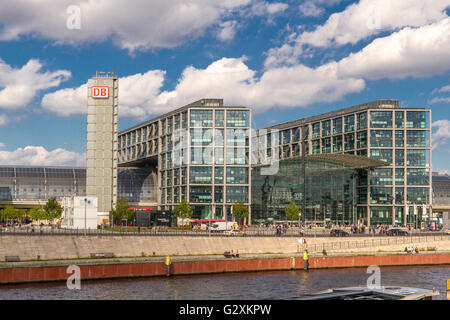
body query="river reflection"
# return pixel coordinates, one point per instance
(256, 285)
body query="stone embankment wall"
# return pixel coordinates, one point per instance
(72, 247)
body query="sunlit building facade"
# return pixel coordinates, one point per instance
(206, 153)
(200, 153)
(398, 193)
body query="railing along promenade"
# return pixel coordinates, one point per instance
(161, 231)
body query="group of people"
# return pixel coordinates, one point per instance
(231, 254)
(281, 228)
(411, 250)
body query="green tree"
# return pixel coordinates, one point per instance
(11, 213)
(292, 212)
(240, 210)
(37, 213)
(52, 209)
(121, 211)
(183, 210)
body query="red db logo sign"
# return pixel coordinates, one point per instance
(100, 92)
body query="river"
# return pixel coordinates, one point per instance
(238, 286)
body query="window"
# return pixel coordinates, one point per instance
(380, 215)
(417, 138)
(361, 139)
(381, 138)
(218, 137)
(381, 154)
(218, 175)
(399, 119)
(417, 158)
(326, 128)
(337, 144)
(381, 176)
(315, 147)
(201, 137)
(349, 141)
(218, 156)
(237, 137)
(201, 155)
(349, 123)
(237, 175)
(362, 195)
(201, 118)
(417, 119)
(399, 177)
(286, 136)
(296, 134)
(236, 193)
(236, 118)
(200, 175)
(417, 195)
(362, 120)
(220, 118)
(337, 125)
(200, 194)
(286, 151)
(236, 156)
(381, 119)
(399, 196)
(316, 130)
(326, 145)
(399, 157)
(416, 177)
(399, 139)
(218, 194)
(381, 195)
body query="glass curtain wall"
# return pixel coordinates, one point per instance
(330, 192)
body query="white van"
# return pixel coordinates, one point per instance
(221, 226)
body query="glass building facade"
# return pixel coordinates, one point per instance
(206, 154)
(201, 154)
(19, 183)
(398, 193)
(330, 192)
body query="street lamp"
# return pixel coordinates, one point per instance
(85, 201)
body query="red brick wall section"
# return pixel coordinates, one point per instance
(33, 274)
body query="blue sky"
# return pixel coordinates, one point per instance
(285, 59)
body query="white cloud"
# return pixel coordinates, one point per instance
(132, 24)
(4, 120)
(229, 78)
(137, 94)
(285, 87)
(356, 21)
(444, 89)
(2, 145)
(360, 21)
(442, 134)
(414, 52)
(309, 9)
(261, 8)
(38, 155)
(19, 86)
(439, 100)
(227, 31)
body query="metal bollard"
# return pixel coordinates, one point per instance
(168, 263)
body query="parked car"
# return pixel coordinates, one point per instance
(339, 233)
(396, 232)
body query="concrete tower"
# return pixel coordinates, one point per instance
(101, 148)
